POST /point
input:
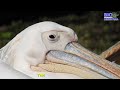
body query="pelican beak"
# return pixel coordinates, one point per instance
(77, 56)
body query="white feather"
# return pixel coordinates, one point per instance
(7, 72)
(26, 49)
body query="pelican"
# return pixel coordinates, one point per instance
(48, 50)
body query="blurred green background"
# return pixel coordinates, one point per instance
(93, 32)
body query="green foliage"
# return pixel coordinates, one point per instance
(6, 35)
(93, 32)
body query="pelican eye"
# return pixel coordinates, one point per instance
(52, 36)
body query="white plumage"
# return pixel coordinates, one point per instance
(28, 48)
(7, 72)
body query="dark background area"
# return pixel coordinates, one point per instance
(32, 10)
(26, 15)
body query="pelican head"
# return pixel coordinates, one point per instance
(51, 42)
